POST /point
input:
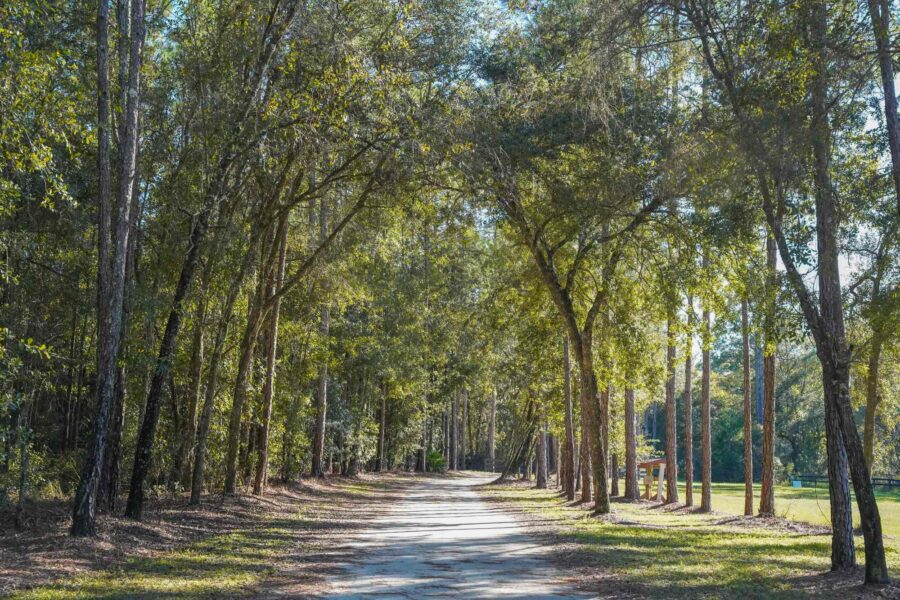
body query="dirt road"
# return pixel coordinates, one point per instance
(443, 541)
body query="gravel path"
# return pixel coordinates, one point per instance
(443, 541)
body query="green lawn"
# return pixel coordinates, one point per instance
(644, 550)
(808, 505)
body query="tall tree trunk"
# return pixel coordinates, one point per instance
(321, 401)
(318, 450)
(832, 346)
(541, 449)
(446, 433)
(767, 474)
(632, 491)
(555, 459)
(215, 191)
(748, 415)
(492, 429)
(454, 433)
(577, 474)
(541, 459)
(826, 321)
(590, 405)
(671, 417)
(109, 479)
(23, 433)
(112, 270)
(614, 474)
(585, 463)
(843, 552)
(241, 382)
(85, 506)
(604, 427)
(873, 398)
(880, 14)
(705, 432)
(212, 375)
(569, 474)
(262, 458)
(465, 428)
(188, 431)
(689, 408)
(382, 424)
(422, 459)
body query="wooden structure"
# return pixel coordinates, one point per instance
(648, 465)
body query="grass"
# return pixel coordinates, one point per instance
(223, 565)
(648, 551)
(807, 505)
(265, 549)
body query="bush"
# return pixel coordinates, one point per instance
(436, 462)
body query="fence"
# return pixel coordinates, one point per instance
(883, 482)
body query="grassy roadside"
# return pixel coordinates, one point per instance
(223, 565)
(643, 550)
(807, 505)
(263, 556)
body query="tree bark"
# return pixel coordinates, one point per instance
(632, 492)
(590, 406)
(671, 417)
(446, 434)
(748, 415)
(689, 408)
(843, 551)
(705, 431)
(585, 463)
(826, 322)
(277, 280)
(541, 450)
(873, 398)
(880, 14)
(85, 505)
(832, 348)
(189, 423)
(569, 474)
(212, 375)
(241, 382)
(321, 401)
(465, 428)
(112, 269)
(454, 433)
(492, 429)
(212, 197)
(382, 424)
(604, 427)
(614, 474)
(767, 488)
(322, 383)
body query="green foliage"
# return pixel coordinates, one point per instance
(460, 141)
(436, 462)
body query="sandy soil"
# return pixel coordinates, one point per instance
(439, 539)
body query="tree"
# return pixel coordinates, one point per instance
(825, 321)
(112, 258)
(568, 470)
(689, 410)
(748, 415)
